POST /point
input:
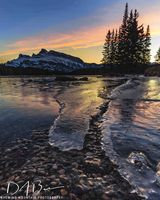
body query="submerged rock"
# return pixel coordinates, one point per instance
(158, 174)
(139, 160)
(83, 79)
(82, 174)
(70, 78)
(66, 78)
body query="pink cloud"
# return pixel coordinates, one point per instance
(77, 39)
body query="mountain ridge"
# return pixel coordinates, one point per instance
(52, 61)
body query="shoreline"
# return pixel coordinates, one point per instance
(80, 174)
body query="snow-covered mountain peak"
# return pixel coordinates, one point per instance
(49, 60)
(43, 51)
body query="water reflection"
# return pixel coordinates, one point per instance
(25, 105)
(34, 103)
(153, 89)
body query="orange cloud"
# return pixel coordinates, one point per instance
(79, 39)
(152, 19)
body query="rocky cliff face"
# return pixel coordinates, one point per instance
(50, 60)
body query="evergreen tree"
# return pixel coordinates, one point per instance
(157, 57)
(107, 49)
(146, 49)
(123, 39)
(135, 38)
(131, 46)
(113, 47)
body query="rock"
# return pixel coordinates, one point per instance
(94, 162)
(28, 161)
(52, 177)
(99, 190)
(63, 179)
(6, 165)
(41, 172)
(64, 192)
(17, 172)
(158, 168)
(93, 165)
(139, 159)
(12, 178)
(75, 165)
(8, 150)
(78, 190)
(15, 148)
(20, 182)
(17, 179)
(83, 79)
(53, 184)
(73, 196)
(83, 176)
(55, 167)
(48, 166)
(90, 183)
(61, 171)
(32, 171)
(19, 141)
(25, 148)
(2, 191)
(82, 181)
(66, 78)
(158, 174)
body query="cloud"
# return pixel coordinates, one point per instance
(83, 38)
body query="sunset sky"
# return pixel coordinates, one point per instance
(76, 27)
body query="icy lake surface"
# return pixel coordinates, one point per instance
(130, 127)
(131, 133)
(41, 102)
(78, 102)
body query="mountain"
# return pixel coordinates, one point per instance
(50, 60)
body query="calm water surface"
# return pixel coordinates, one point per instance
(25, 104)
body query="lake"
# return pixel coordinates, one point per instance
(130, 127)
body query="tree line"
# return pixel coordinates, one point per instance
(157, 57)
(130, 44)
(5, 71)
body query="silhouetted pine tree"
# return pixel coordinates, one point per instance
(136, 39)
(107, 49)
(123, 39)
(131, 45)
(112, 47)
(115, 48)
(157, 57)
(147, 43)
